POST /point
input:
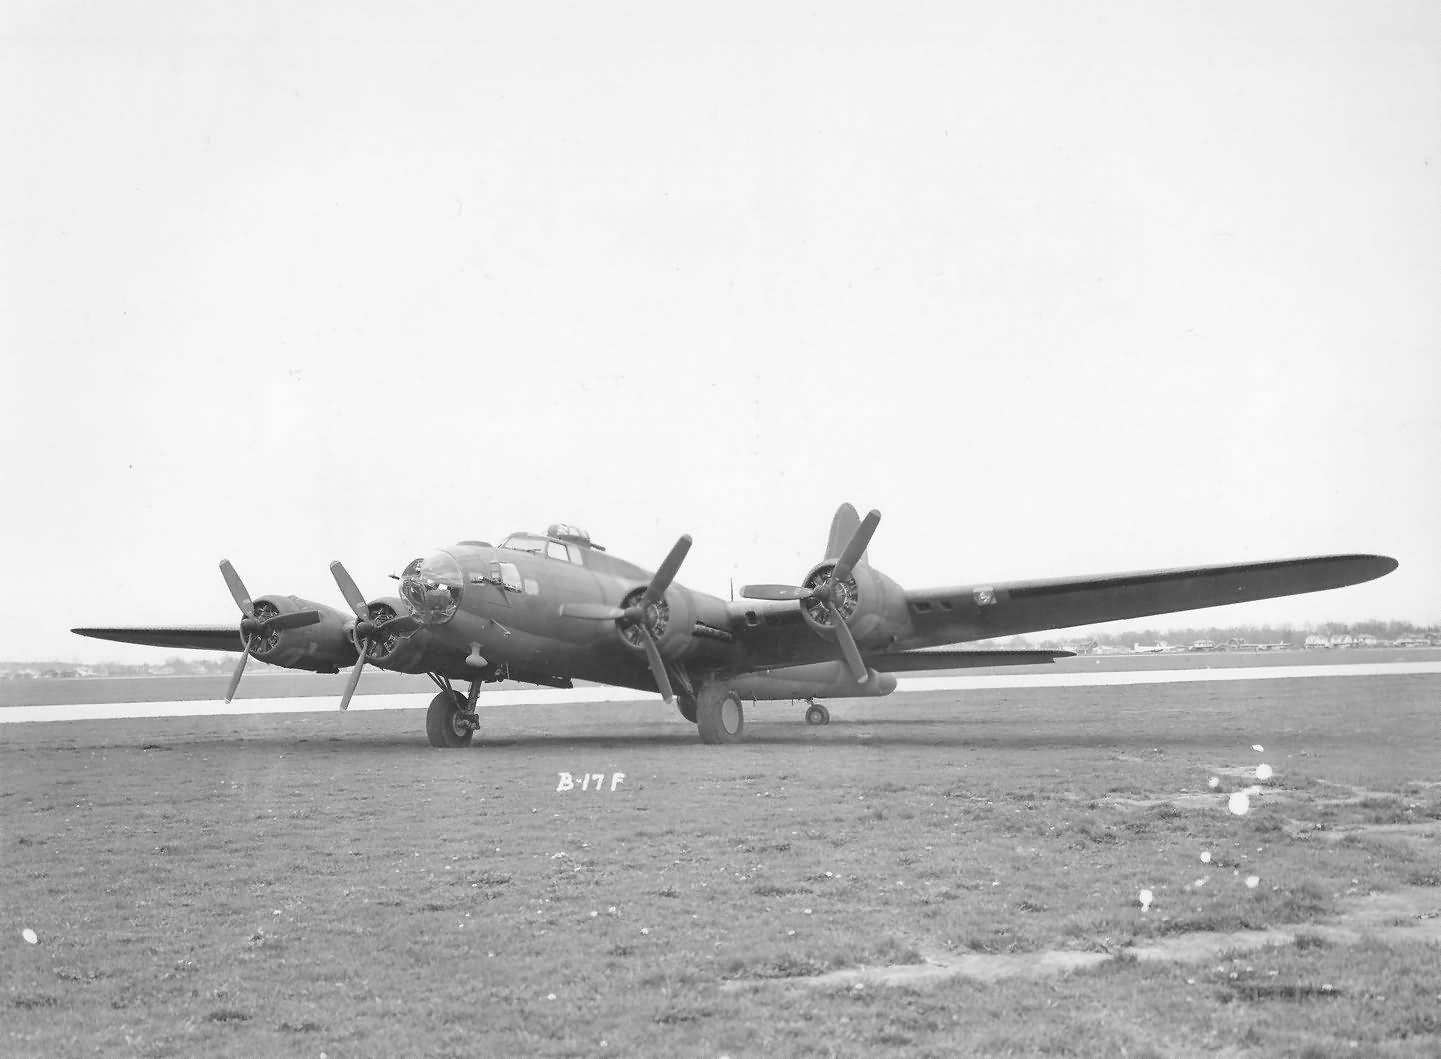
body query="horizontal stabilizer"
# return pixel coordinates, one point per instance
(193, 637)
(919, 661)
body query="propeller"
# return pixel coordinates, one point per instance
(366, 631)
(830, 590)
(254, 626)
(636, 620)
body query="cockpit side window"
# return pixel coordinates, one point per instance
(556, 550)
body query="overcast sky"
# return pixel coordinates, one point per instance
(1060, 289)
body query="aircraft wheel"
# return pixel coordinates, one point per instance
(686, 704)
(444, 726)
(817, 714)
(720, 716)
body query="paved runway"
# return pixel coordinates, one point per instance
(107, 711)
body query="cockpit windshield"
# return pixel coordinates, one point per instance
(524, 542)
(431, 586)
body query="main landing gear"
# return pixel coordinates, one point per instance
(720, 716)
(451, 720)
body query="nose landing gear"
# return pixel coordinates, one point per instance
(816, 713)
(451, 720)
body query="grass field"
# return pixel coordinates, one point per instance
(328, 885)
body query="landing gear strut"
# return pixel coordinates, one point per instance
(816, 713)
(686, 704)
(451, 720)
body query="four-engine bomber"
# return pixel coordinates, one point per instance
(556, 607)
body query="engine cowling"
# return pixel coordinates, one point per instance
(401, 652)
(324, 647)
(872, 605)
(670, 620)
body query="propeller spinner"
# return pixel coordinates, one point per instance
(257, 625)
(829, 593)
(643, 617)
(367, 633)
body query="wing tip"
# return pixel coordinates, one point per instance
(1369, 567)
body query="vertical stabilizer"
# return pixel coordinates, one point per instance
(843, 527)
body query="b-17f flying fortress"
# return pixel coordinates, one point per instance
(556, 607)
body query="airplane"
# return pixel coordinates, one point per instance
(1235, 643)
(552, 608)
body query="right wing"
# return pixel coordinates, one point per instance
(978, 612)
(195, 637)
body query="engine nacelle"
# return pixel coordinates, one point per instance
(673, 621)
(873, 606)
(831, 679)
(670, 620)
(324, 647)
(403, 653)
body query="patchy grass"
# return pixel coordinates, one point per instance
(276, 885)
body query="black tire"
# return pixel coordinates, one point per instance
(686, 704)
(817, 714)
(720, 717)
(441, 726)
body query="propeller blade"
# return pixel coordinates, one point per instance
(775, 592)
(657, 665)
(854, 662)
(298, 620)
(349, 590)
(239, 669)
(354, 680)
(401, 624)
(666, 574)
(237, 588)
(856, 547)
(591, 611)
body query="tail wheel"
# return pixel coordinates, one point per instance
(720, 716)
(445, 723)
(817, 714)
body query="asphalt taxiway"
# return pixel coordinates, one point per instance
(102, 711)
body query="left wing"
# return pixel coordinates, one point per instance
(1005, 608)
(195, 637)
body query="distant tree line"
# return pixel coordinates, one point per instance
(193, 665)
(1293, 634)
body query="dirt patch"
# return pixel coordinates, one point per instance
(1411, 915)
(1422, 837)
(979, 966)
